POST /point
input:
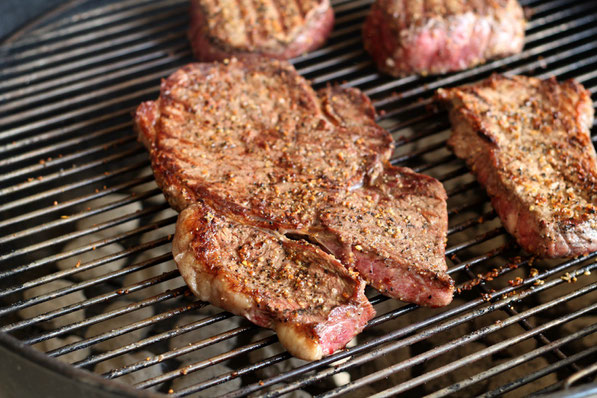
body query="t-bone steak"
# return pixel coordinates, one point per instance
(311, 300)
(528, 142)
(279, 29)
(440, 36)
(250, 144)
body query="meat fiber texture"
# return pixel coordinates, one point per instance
(221, 29)
(528, 142)
(252, 142)
(441, 36)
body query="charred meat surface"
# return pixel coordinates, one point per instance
(279, 29)
(528, 142)
(434, 37)
(272, 153)
(315, 305)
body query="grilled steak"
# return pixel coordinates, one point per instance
(528, 142)
(394, 234)
(277, 29)
(254, 142)
(440, 36)
(313, 302)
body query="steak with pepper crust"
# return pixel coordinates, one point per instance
(528, 142)
(315, 305)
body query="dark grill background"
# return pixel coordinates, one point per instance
(86, 273)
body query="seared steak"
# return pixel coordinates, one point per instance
(254, 142)
(394, 234)
(528, 142)
(278, 29)
(313, 302)
(440, 36)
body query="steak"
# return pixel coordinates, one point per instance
(313, 302)
(252, 140)
(528, 142)
(221, 29)
(440, 36)
(394, 234)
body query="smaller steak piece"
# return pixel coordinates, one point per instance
(394, 234)
(314, 304)
(278, 29)
(528, 142)
(440, 36)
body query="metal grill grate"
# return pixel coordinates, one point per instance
(85, 269)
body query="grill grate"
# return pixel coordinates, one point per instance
(85, 269)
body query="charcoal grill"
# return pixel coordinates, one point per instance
(86, 274)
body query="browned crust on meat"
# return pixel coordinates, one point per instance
(303, 176)
(272, 28)
(528, 142)
(393, 232)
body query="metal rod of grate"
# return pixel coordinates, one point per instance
(82, 217)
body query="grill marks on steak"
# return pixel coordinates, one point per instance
(253, 141)
(528, 142)
(313, 303)
(274, 28)
(440, 36)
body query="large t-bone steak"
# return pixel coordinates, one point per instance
(252, 141)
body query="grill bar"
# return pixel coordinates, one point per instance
(98, 318)
(519, 360)
(51, 28)
(82, 41)
(40, 166)
(67, 204)
(96, 23)
(100, 299)
(63, 89)
(153, 339)
(538, 374)
(49, 71)
(82, 249)
(50, 192)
